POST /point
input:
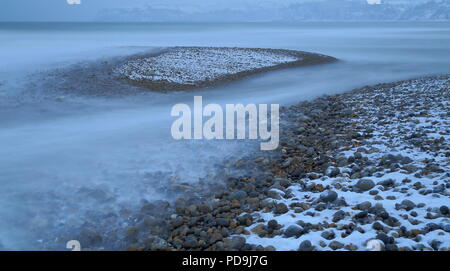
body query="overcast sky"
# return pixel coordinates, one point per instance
(59, 10)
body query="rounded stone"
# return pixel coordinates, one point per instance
(332, 172)
(365, 184)
(281, 208)
(305, 246)
(328, 196)
(329, 235)
(339, 215)
(408, 205)
(334, 245)
(293, 231)
(235, 242)
(272, 224)
(444, 210)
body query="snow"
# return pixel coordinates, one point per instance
(381, 145)
(189, 65)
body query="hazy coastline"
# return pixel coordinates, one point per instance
(316, 191)
(79, 144)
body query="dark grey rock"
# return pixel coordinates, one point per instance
(385, 238)
(328, 196)
(273, 194)
(320, 207)
(235, 242)
(332, 172)
(339, 215)
(374, 192)
(444, 210)
(377, 226)
(190, 242)
(387, 183)
(242, 219)
(306, 246)
(361, 215)
(340, 201)
(446, 227)
(273, 224)
(224, 222)
(177, 222)
(364, 206)
(238, 195)
(365, 185)
(435, 244)
(334, 245)
(284, 183)
(281, 208)
(293, 231)
(391, 247)
(329, 235)
(439, 188)
(432, 227)
(408, 205)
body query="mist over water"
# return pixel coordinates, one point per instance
(51, 152)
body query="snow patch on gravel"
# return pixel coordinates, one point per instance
(191, 65)
(411, 147)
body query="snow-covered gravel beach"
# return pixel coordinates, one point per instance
(369, 164)
(196, 67)
(373, 163)
(387, 178)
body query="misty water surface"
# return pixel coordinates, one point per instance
(51, 149)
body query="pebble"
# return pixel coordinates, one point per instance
(364, 206)
(281, 208)
(408, 205)
(365, 184)
(339, 215)
(332, 172)
(306, 246)
(334, 245)
(328, 196)
(293, 231)
(329, 235)
(235, 242)
(273, 224)
(238, 195)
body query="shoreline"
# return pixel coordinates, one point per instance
(101, 78)
(352, 167)
(300, 59)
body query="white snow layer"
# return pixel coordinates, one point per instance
(196, 64)
(387, 140)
